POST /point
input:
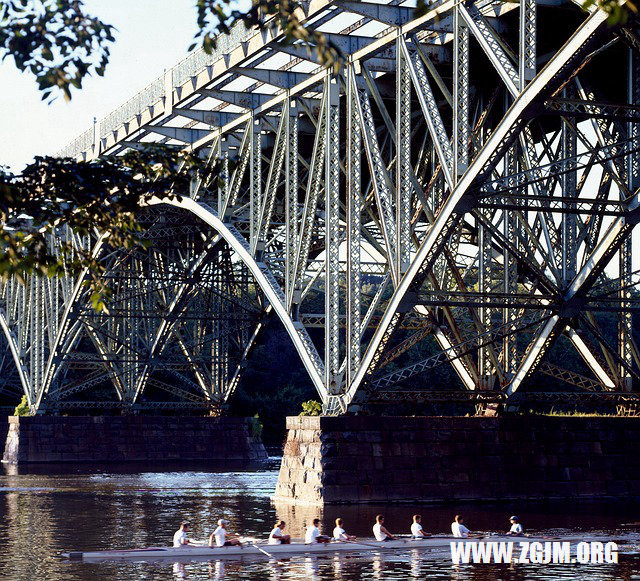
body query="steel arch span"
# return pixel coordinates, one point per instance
(463, 192)
(180, 322)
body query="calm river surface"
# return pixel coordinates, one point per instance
(46, 511)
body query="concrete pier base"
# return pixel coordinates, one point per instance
(114, 439)
(338, 460)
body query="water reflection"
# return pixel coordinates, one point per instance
(46, 513)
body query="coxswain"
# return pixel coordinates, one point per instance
(516, 528)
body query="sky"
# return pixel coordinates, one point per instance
(152, 35)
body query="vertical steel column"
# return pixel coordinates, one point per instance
(527, 57)
(485, 251)
(569, 180)
(291, 201)
(625, 322)
(332, 236)
(403, 161)
(354, 236)
(37, 323)
(255, 177)
(510, 266)
(225, 179)
(460, 94)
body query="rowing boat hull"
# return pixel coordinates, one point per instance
(251, 550)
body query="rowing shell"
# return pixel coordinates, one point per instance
(251, 550)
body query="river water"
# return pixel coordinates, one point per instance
(46, 511)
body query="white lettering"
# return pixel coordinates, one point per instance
(582, 552)
(536, 552)
(611, 552)
(481, 552)
(502, 552)
(524, 552)
(597, 552)
(460, 552)
(562, 552)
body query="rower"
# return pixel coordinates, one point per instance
(276, 537)
(416, 528)
(339, 533)
(458, 529)
(379, 530)
(516, 528)
(313, 536)
(220, 536)
(180, 536)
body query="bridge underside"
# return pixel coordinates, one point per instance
(462, 193)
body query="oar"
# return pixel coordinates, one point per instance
(278, 561)
(365, 544)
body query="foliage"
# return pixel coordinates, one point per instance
(55, 40)
(216, 17)
(311, 408)
(22, 409)
(256, 427)
(574, 414)
(97, 197)
(273, 384)
(59, 43)
(618, 12)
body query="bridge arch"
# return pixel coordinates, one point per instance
(296, 331)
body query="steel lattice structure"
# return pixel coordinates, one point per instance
(477, 166)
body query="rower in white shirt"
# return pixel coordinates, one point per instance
(379, 530)
(339, 533)
(219, 536)
(180, 536)
(516, 528)
(458, 529)
(313, 536)
(416, 528)
(277, 537)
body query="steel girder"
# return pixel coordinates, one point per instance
(490, 186)
(179, 324)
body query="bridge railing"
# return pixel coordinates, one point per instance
(81, 143)
(151, 94)
(193, 64)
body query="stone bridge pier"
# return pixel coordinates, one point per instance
(348, 460)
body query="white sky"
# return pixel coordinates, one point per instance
(152, 35)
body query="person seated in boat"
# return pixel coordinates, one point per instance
(516, 528)
(379, 530)
(339, 533)
(180, 536)
(219, 536)
(276, 537)
(417, 531)
(458, 529)
(313, 536)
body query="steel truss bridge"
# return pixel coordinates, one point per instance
(468, 181)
